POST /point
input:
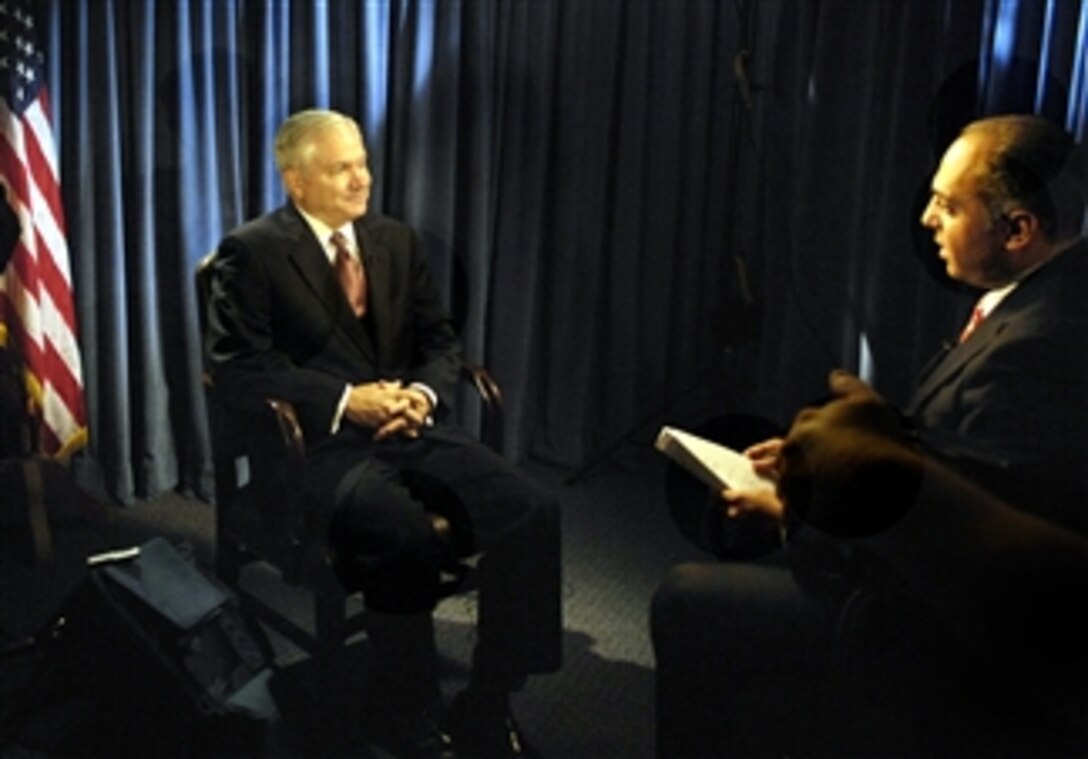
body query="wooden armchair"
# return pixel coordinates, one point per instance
(262, 515)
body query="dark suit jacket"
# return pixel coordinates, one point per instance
(280, 326)
(1009, 406)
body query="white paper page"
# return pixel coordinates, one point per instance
(712, 462)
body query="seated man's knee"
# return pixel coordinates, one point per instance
(673, 603)
(385, 545)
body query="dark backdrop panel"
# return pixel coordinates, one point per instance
(662, 210)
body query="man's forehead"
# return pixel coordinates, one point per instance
(336, 145)
(961, 166)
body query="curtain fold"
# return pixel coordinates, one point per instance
(643, 210)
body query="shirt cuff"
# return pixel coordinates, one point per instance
(341, 407)
(432, 396)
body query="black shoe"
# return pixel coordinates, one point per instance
(411, 735)
(484, 728)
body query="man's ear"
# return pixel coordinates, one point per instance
(292, 180)
(1021, 228)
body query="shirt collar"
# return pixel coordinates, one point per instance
(323, 232)
(992, 298)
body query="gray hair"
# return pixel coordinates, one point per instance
(294, 140)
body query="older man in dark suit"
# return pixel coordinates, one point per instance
(333, 309)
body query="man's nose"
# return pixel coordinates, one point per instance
(927, 218)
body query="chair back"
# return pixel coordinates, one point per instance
(258, 457)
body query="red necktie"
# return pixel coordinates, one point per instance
(972, 324)
(351, 275)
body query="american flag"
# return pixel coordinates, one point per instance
(37, 314)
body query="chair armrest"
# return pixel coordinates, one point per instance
(290, 429)
(491, 404)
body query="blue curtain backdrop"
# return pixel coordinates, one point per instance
(662, 210)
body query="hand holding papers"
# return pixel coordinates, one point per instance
(715, 464)
(745, 528)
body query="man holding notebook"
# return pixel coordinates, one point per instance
(744, 650)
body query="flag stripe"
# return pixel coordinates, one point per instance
(25, 269)
(53, 281)
(39, 149)
(36, 303)
(11, 158)
(60, 375)
(37, 121)
(30, 349)
(61, 359)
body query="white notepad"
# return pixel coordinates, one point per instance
(717, 465)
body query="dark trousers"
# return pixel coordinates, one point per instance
(380, 520)
(741, 658)
(750, 663)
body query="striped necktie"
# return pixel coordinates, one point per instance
(351, 275)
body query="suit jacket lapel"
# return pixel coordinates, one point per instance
(376, 262)
(309, 259)
(1071, 265)
(946, 365)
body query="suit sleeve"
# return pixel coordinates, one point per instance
(1024, 422)
(247, 363)
(434, 351)
(1004, 582)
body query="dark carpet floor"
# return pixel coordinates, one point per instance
(618, 542)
